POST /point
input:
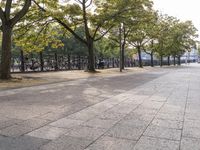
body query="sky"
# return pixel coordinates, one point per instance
(182, 9)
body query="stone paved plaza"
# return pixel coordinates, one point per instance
(155, 110)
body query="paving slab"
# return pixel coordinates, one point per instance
(22, 143)
(149, 143)
(66, 123)
(86, 132)
(125, 132)
(110, 143)
(67, 143)
(48, 132)
(190, 144)
(163, 132)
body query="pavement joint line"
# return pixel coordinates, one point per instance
(161, 138)
(195, 138)
(186, 103)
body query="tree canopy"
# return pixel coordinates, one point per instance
(91, 27)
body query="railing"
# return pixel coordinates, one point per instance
(58, 63)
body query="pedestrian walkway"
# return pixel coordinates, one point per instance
(158, 110)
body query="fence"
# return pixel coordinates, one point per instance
(59, 62)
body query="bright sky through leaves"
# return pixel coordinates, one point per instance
(182, 9)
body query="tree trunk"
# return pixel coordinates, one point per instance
(79, 63)
(113, 62)
(22, 61)
(152, 64)
(139, 57)
(69, 62)
(168, 60)
(6, 52)
(174, 61)
(123, 56)
(179, 60)
(161, 61)
(91, 63)
(41, 61)
(56, 61)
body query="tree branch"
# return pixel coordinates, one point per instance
(70, 30)
(85, 20)
(104, 33)
(146, 51)
(63, 24)
(2, 16)
(7, 9)
(21, 13)
(90, 3)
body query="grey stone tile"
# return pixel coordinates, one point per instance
(111, 116)
(134, 123)
(86, 132)
(133, 101)
(158, 98)
(191, 132)
(121, 110)
(190, 144)
(193, 116)
(152, 105)
(167, 123)
(100, 123)
(6, 122)
(170, 116)
(162, 132)
(66, 123)
(84, 115)
(145, 117)
(101, 107)
(67, 143)
(172, 109)
(125, 132)
(149, 143)
(16, 130)
(191, 123)
(48, 132)
(21, 143)
(110, 143)
(52, 116)
(142, 110)
(34, 123)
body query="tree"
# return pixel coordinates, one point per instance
(97, 17)
(165, 24)
(175, 37)
(128, 23)
(184, 36)
(9, 18)
(152, 32)
(139, 36)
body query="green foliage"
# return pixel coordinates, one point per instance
(82, 21)
(175, 37)
(106, 48)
